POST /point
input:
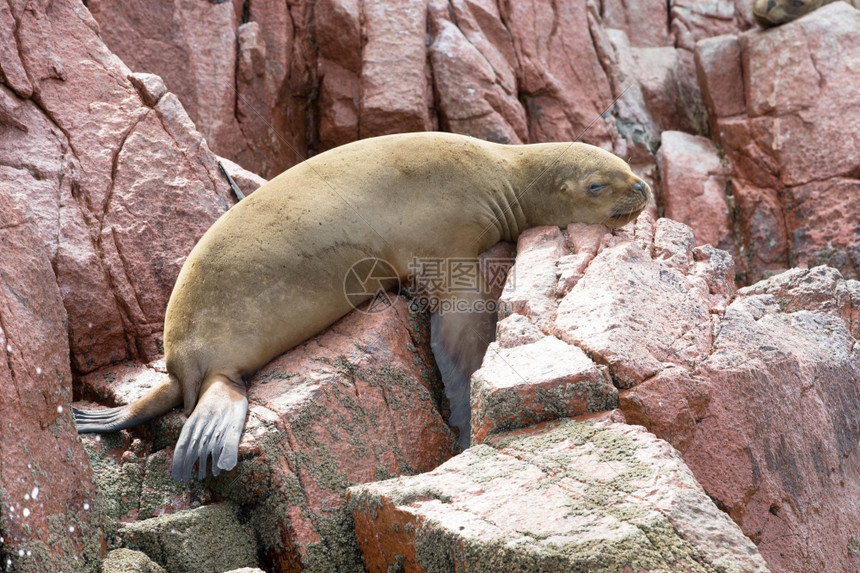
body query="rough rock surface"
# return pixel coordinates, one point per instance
(355, 404)
(129, 561)
(570, 496)
(758, 390)
(111, 170)
(50, 519)
(208, 538)
(105, 184)
(312, 75)
(795, 181)
(694, 184)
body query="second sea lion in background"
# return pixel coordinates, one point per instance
(770, 13)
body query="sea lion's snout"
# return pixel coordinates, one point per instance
(642, 187)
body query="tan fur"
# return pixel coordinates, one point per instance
(270, 272)
(775, 12)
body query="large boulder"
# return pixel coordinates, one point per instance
(758, 390)
(51, 512)
(568, 496)
(782, 106)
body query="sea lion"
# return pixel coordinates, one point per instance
(770, 13)
(270, 272)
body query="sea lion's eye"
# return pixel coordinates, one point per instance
(595, 188)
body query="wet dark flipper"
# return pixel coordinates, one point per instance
(459, 341)
(156, 402)
(212, 430)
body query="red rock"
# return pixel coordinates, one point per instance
(718, 68)
(777, 445)
(561, 81)
(669, 88)
(153, 38)
(107, 155)
(340, 94)
(564, 497)
(603, 315)
(476, 86)
(780, 146)
(821, 220)
(395, 93)
(518, 386)
(694, 187)
(531, 287)
(51, 509)
(338, 31)
(760, 211)
(644, 23)
(355, 404)
(693, 21)
(781, 88)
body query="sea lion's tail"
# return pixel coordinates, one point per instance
(156, 402)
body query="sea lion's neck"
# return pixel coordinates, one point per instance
(508, 217)
(531, 173)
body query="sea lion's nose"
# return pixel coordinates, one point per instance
(641, 187)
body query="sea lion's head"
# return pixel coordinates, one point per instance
(775, 12)
(590, 185)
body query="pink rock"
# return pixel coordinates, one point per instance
(718, 67)
(666, 77)
(338, 31)
(105, 153)
(805, 149)
(202, 36)
(516, 330)
(51, 511)
(644, 23)
(543, 500)
(531, 286)
(271, 103)
(560, 78)
(395, 93)
(694, 187)
(760, 211)
(340, 96)
(475, 82)
(821, 219)
(777, 445)
(604, 314)
(522, 385)
(357, 403)
(693, 21)
(780, 146)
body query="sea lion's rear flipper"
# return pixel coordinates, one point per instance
(156, 402)
(214, 427)
(459, 341)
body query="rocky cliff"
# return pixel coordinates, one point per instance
(111, 116)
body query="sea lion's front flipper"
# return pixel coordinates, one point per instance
(459, 341)
(156, 402)
(214, 427)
